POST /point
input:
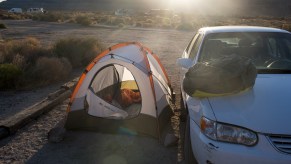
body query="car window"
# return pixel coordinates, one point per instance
(191, 43)
(267, 50)
(195, 48)
(279, 48)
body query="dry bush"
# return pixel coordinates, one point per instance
(2, 26)
(185, 27)
(150, 21)
(286, 27)
(78, 51)
(128, 20)
(148, 25)
(83, 20)
(32, 65)
(22, 53)
(116, 21)
(6, 15)
(103, 19)
(3, 52)
(20, 62)
(48, 70)
(9, 75)
(138, 24)
(121, 25)
(49, 17)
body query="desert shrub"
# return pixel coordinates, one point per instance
(13, 16)
(49, 17)
(121, 25)
(103, 20)
(9, 75)
(3, 52)
(166, 21)
(20, 62)
(48, 70)
(27, 50)
(22, 53)
(149, 21)
(83, 20)
(148, 25)
(166, 26)
(127, 20)
(286, 27)
(78, 51)
(2, 26)
(138, 24)
(184, 27)
(116, 21)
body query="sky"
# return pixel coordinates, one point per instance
(196, 6)
(200, 6)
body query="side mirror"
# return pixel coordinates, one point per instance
(184, 62)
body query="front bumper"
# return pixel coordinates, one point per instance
(209, 151)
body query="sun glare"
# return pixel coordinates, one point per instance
(180, 4)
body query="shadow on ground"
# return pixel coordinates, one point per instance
(90, 147)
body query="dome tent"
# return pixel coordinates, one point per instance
(125, 88)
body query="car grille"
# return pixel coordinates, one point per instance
(281, 142)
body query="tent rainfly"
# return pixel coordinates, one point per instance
(125, 88)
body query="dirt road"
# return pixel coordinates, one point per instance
(30, 143)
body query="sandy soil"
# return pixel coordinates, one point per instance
(30, 143)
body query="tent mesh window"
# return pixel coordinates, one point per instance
(116, 85)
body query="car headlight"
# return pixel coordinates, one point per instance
(227, 133)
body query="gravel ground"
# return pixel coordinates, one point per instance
(27, 141)
(30, 145)
(12, 102)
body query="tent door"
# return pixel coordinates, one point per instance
(114, 93)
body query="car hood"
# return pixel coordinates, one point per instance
(266, 108)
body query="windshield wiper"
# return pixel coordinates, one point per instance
(274, 71)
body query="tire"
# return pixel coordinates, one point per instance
(188, 153)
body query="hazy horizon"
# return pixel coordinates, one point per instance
(198, 7)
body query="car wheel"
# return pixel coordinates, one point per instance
(188, 153)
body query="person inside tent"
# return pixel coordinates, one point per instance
(125, 97)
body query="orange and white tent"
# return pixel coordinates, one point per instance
(125, 88)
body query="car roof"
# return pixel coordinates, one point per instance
(222, 29)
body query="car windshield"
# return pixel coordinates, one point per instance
(269, 51)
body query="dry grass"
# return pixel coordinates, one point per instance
(83, 20)
(39, 65)
(2, 26)
(22, 53)
(6, 15)
(48, 70)
(9, 76)
(50, 17)
(78, 51)
(287, 27)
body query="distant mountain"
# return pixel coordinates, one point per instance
(203, 7)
